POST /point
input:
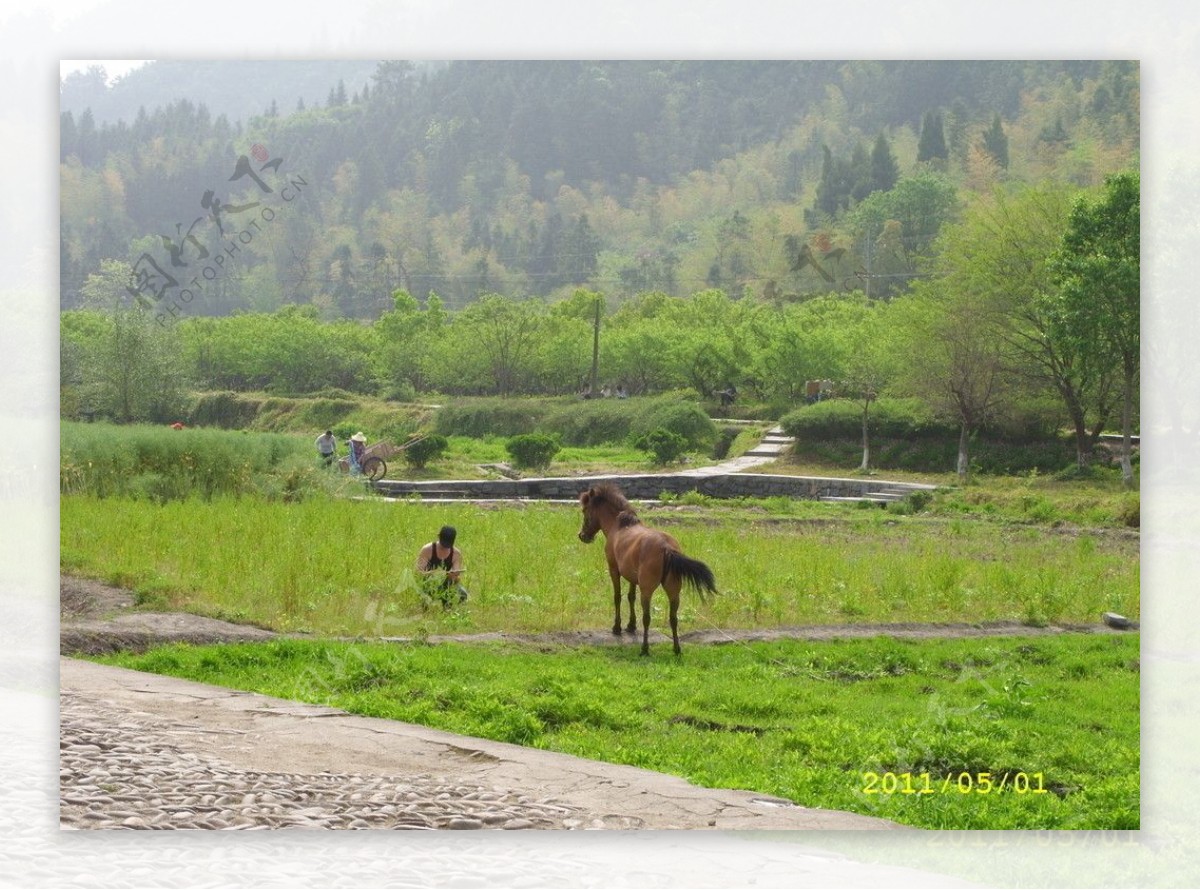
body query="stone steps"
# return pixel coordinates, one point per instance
(774, 444)
(864, 499)
(883, 497)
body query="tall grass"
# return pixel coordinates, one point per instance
(163, 464)
(344, 567)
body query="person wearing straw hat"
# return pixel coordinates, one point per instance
(439, 566)
(358, 448)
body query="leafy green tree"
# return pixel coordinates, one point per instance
(897, 228)
(808, 341)
(951, 361)
(490, 347)
(869, 365)
(642, 355)
(132, 370)
(406, 338)
(1001, 251)
(1098, 269)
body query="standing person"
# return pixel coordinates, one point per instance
(358, 447)
(327, 447)
(439, 565)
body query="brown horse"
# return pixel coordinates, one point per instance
(642, 556)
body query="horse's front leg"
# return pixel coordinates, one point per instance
(632, 626)
(616, 582)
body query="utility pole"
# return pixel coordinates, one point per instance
(867, 265)
(595, 348)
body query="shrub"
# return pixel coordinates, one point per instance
(1130, 512)
(422, 451)
(663, 445)
(480, 418)
(227, 410)
(401, 391)
(532, 451)
(587, 422)
(842, 419)
(684, 419)
(918, 500)
(582, 422)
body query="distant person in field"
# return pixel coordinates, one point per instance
(327, 447)
(439, 566)
(358, 448)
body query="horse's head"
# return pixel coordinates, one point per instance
(601, 504)
(589, 500)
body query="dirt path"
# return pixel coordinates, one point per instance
(97, 618)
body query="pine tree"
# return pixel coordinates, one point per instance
(996, 143)
(860, 178)
(932, 144)
(884, 169)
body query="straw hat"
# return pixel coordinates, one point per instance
(358, 437)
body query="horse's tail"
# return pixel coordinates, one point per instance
(693, 571)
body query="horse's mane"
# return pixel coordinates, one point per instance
(608, 491)
(627, 518)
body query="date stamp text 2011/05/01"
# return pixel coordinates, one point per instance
(954, 783)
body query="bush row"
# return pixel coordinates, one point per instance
(332, 409)
(579, 422)
(909, 419)
(941, 455)
(842, 419)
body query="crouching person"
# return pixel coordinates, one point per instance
(439, 566)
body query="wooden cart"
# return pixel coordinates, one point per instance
(375, 457)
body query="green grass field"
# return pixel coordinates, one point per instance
(344, 567)
(1003, 733)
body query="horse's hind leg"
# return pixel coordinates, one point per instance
(671, 588)
(632, 626)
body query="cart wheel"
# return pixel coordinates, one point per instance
(374, 468)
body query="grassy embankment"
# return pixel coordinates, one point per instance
(963, 734)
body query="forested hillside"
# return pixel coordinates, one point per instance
(961, 234)
(773, 180)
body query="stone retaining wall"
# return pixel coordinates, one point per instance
(651, 486)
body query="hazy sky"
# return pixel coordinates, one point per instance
(114, 67)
